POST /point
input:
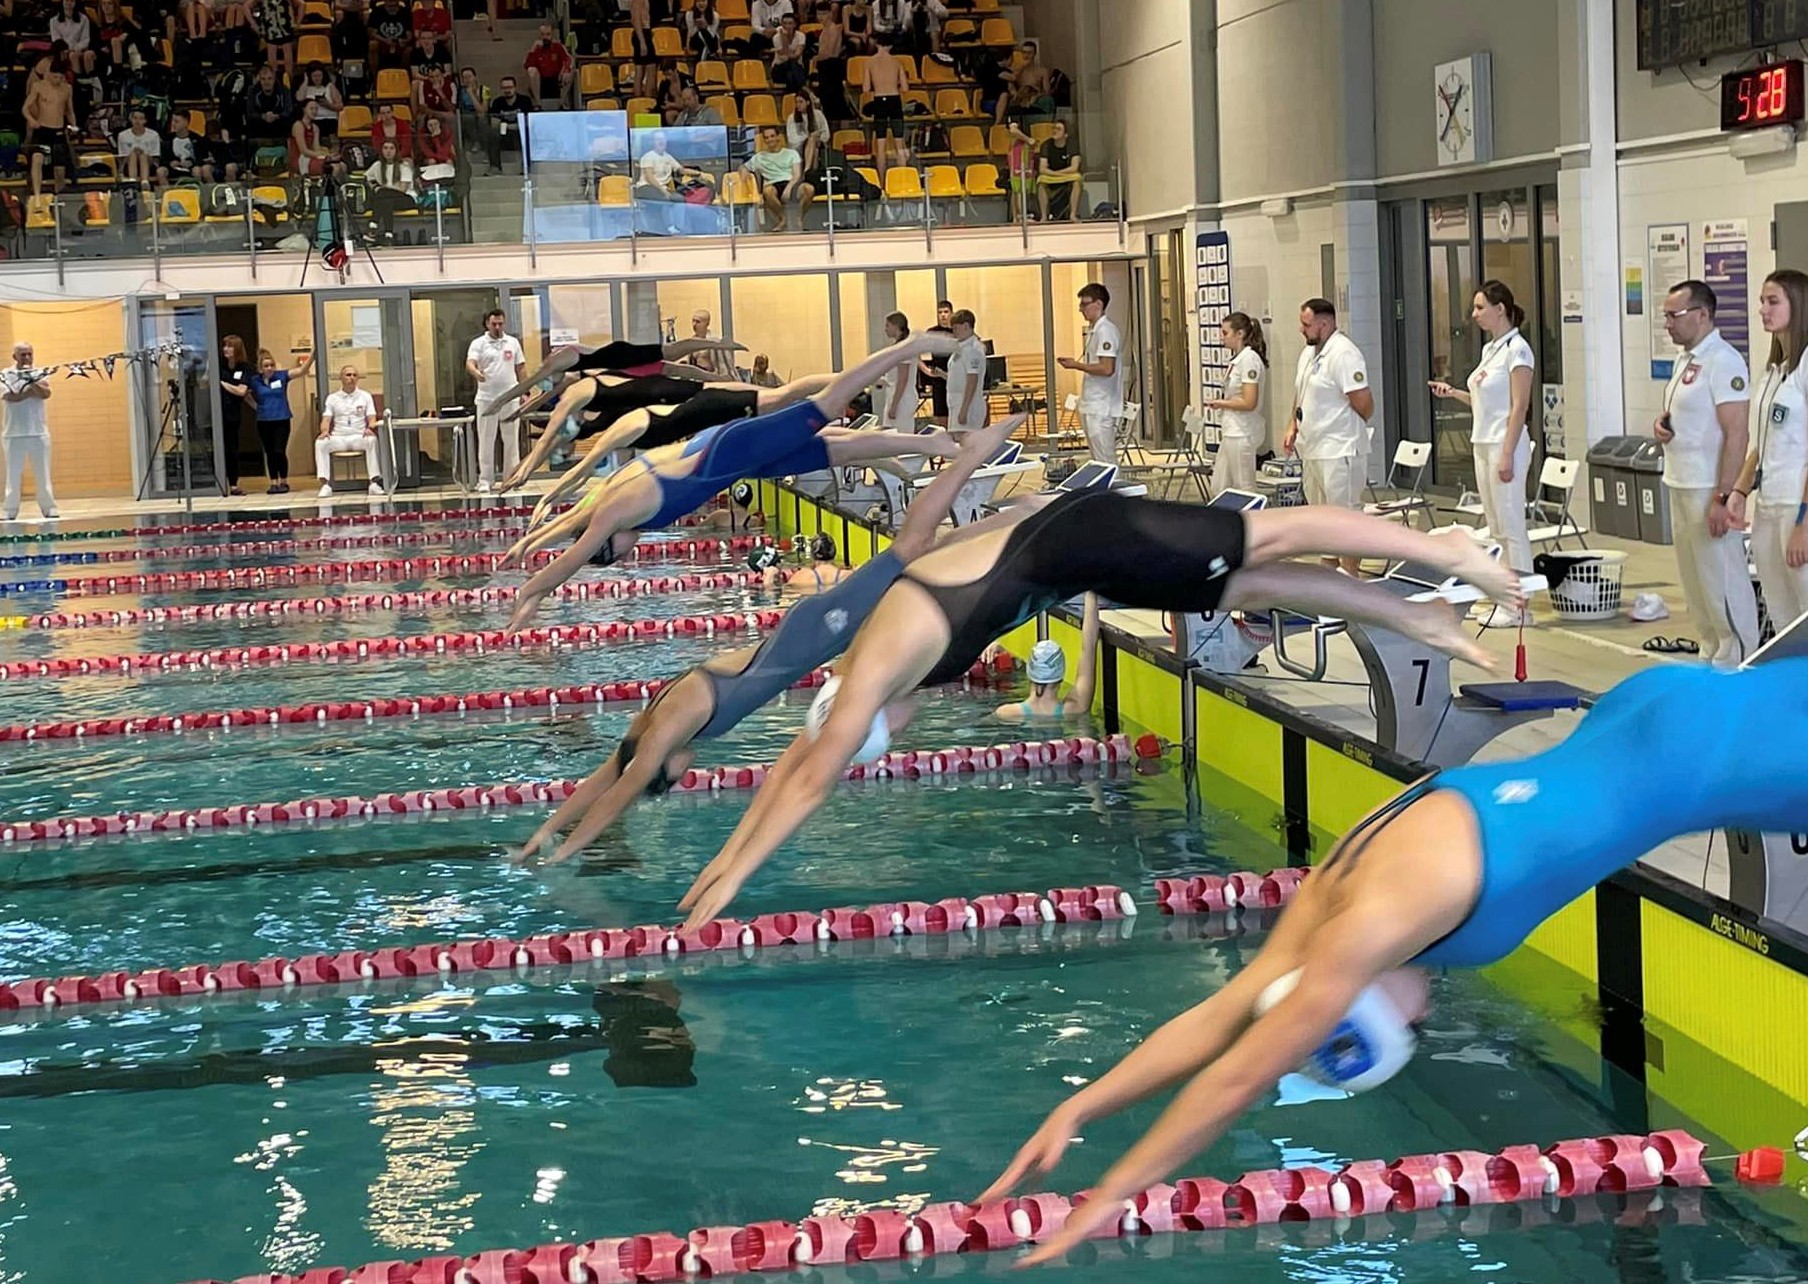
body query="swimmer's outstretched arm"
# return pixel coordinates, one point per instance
(611, 519)
(1079, 700)
(923, 519)
(594, 786)
(574, 398)
(621, 435)
(562, 527)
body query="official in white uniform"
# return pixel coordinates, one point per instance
(495, 360)
(26, 431)
(1773, 486)
(348, 421)
(1500, 396)
(966, 376)
(895, 395)
(1243, 419)
(1332, 405)
(1705, 431)
(1101, 403)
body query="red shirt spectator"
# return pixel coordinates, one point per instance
(550, 58)
(431, 18)
(388, 127)
(436, 144)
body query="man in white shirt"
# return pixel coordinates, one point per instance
(765, 16)
(1101, 402)
(1332, 405)
(1705, 433)
(966, 376)
(26, 433)
(139, 150)
(495, 360)
(348, 421)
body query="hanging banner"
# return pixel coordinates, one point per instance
(1211, 260)
(1725, 266)
(1666, 264)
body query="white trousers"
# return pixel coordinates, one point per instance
(33, 452)
(1101, 434)
(324, 447)
(1334, 482)
(489, 427)
(1785, 590)
(1715, 582)
(1504, 503)
(1235, 465)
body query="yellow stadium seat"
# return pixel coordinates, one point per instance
(999, 141)
(759, 109)
(750, 74)
(960, 31)
(354, 121)
(967, 142)
(727, 108)
(602, 104)
(712, 76)
(951, 104)
(733, 11)
(40, 212)
(740, 188)
(937, 72)
(667, 43)
(179, 206)
(996, 33)
(392, 85)
(641, 107)
(595, 78)
(982, 180)
(197, 122)
(614, 189)
(856, 70)
(621, 43)
(903, 184)
(276, 198)
(944, 183)
(314, 47)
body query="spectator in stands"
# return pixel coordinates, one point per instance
(429, 52)
(435, 99)
(858, 19)
(392, 188)
(269, 110)
(671, 93)
(883, 85)
(967, 406)
(807, 134)
(431, 18)
(506, 110)
(923, 26)
(139, 148)
(155, 20)
(640, 35)
(765, 16)
(780, 172)
(762, 375)
(693, 111)
(703, 30)
(187, 155)
(663, 177)
(275, 22)
(391, 36)
(390, 128)
(472, 100)
(435, 144)
(49, 113)
(1028, 97)
(888, 21)
(1058, 176)
(317, 87)
(790, 55)
(310, 154)
(70, 26)
(831, 64)
(117, 37)
(549, 67)
(712, 360)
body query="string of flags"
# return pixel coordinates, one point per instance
(107, 365)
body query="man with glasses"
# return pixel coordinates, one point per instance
(1101, 404)
(1704, 432)
(348, 421)
(27, 431)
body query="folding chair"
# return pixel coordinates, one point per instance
(1411, 459)
(1557, 475)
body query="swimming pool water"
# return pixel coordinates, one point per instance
(193, 1139)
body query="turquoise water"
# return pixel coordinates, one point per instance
(193, 1139)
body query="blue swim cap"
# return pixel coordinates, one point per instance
(1373, 1043)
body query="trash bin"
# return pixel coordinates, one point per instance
(1613, 493)
(1647, 471)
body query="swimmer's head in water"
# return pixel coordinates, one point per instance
(822, 548)
(878, 736)
(762, 557)
(1048, 662)
(1375, 1039)
(741, 494)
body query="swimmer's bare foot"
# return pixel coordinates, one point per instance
(1438, 624)
(1469, 561)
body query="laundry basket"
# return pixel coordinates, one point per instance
(1590, 586)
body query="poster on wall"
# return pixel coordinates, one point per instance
(1725, 268)
(1666, 263)
(1211, 259)
(1635, 288)
(1552, 421)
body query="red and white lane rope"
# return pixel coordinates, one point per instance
(1574, 1169)
(495, 594)
(645, 551)
(473, 643)
(910, 764)
(447, 515)
(500, 954)
(378, 569)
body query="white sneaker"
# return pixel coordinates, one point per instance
(325, 490)
(484, 488)
(1502, 617)
(52, 515)
(376, 488)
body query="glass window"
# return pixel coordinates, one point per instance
(786, 320)
(916, 297)
(581, 314)
(1549, 338)
(1450, 272)
(1006, 303)
(1507, 241)
(681, 300)
(856, 337)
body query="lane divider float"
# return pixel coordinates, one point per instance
(449, 515)
(491, 594)
(909, 764)
(1617, 1164)
(951, 914)
(645, 551)
(382, 569)
(478, 643)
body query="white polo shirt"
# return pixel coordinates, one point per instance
(497, 361)
(1245, 425)
(1491, 387)
(1103, 394)
(350, 412)
(968, 358)
(1709, 375)
(26, 417)
(1779, 433)
(1330, 428)
(146, 142)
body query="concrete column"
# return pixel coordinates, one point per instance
(882, 301)
(1591, 246)
(640, 313)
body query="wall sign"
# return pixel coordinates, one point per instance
(1666, 264)
(1211, 263)
(1725, 268)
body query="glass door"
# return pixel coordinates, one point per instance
(445, 322)
(1450, 275)
(177, 404)
(372, 335)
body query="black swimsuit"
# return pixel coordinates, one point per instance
(706, 409)
(611, 401)
(1143, 553)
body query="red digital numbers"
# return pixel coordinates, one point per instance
(1764, 95)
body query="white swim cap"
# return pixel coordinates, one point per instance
(1371, 1045)
(878, 737)
(1048, 662)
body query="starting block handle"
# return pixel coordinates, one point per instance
(1321, 630)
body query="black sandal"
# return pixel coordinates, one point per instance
(1661, 645)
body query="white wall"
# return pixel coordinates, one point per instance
(1146, 76)
(1274, 267)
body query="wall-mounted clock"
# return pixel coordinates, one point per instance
(1465, 110)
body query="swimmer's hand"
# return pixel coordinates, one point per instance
(526, 607)
(1040, 1154)
(715, 888)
